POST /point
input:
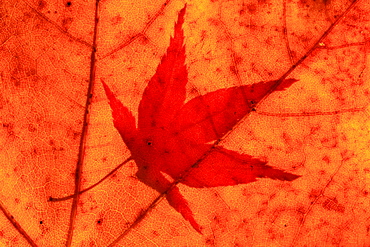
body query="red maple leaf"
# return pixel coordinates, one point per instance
(171, 136)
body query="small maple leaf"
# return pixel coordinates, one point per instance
(171, 136)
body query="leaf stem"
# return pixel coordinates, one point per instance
(16, 225)
(55, 199)
(307, 114)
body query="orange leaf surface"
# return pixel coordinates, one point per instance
(222, 133)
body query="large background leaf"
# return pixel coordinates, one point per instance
(55, 118)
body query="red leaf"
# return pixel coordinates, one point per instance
(225, 167)
(123, 120)
(172, 137)
(209, 117)
(165, 92)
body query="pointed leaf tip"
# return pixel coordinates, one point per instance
(180, 204)
(286, 84)
(181, 14)
(123, 119)
(107, 90)
(165, 93)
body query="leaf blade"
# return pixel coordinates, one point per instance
(226, 168)
(208, 117)
(123, 119)
(165, 93)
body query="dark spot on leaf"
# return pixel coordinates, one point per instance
(233, 69)
(210, 242)
(41, 4)
(322, 172)
(217, 220)
(252, 8)
(41, 222)
(332, 204)
(195, 165)
(31, 128)
(75, 135)
(66, 23)
(235, 179)
(238, 59)
(100, 221)
(68, 4)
